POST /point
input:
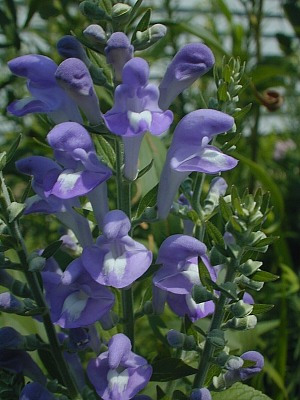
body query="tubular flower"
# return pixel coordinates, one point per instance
(118, 373)
(79, 303)
(190, 151)
(191, 62)
(35, 391)
(174, 281)
(118, 51)
(116, 259)
(135, 112)
(47, 96)
(74, 77)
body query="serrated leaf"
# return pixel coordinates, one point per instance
(13, 148)
(261, 308)
(146, 169)
(264, 276)
(50, 250)
(14, 211)
(169, 369)
(240, 391)
(214, 234)
(105, 151)
(149, 200)
(143, 24)
(224, 209)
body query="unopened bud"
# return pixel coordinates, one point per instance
(95, 34)
(181, 341)
(234, 362)
(148, 37)
(92, 11)
(218, 187)
(219, 382)
(200, 394)
(247, 282)
(68, 46)
(242, 324)
(121, 13)
(10, 304)
(241, 309)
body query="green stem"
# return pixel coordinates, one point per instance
(33, 279)
(216, 322)
(197, 193)
(124, 204)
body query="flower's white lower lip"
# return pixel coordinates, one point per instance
(135, 118)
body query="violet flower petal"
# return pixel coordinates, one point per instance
(118, 51)
(192, 61)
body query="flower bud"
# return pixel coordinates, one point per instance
(150, 36)
(121, 13)
(68, 46)
(247, 282)
(234, 362)
(92, 11)
(10, 304)
(218, 187)
(118, 51)
(219, 382)
(200, 394)
(175, 339)
(201, 294)
(242, 324)
(95, 34)
(241, 309)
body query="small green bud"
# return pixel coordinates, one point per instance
(247, 282)
(241, 309)
(121, 13)
(242, 324)
(234, 362)
(219, 382)
(148, 37)
(92, 11)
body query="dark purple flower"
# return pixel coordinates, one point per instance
(35, 391)
(174, 281)
(47, 96)
(135, 112)
(118, 51)
(189, 151)
(10, 304)
(192, 61)
(119, 374)
(116, 259)
(79, 303)
(70, 47)
(74, 77)
(200, 394)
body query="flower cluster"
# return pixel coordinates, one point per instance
(86, 291)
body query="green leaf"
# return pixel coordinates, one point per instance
(86, 213)
(214, 234)
(149, 200)
(105, 151)
(170, 369)
(146, 169)
(2, 160)
(266, 241)
(240, 115)
(13, 148)
(214, 370)
(134, 10)
(26, 191)
(160, 394)
(264, 276)
(225, 209)
(204, 276)
(240, 391)
(14, 211)
(36, 264)
(261, 308)
(179, 395)
(143, 24)
(50, 250)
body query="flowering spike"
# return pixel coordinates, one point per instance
(192, 61)
(190, 152)
(47, 96)
(118, 51)
(74, 77)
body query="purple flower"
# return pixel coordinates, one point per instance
(174, 281)
(116, 259)
(47, 96)
(70, 47)
(74, 77)
(241, 374)
(200, 394)
(189, 151)
(191, 62)
(35, 391)
(96, 35)
(80, 303)
(136, 111)
(118, 51)
(10, 304)
(118, 374)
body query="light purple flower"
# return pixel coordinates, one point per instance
(135, 112)
(192, 61)
(118, 373)
(96, 34)
(174, 281)
(10, 304)
(74, 77)
(190, 151)
(80, 303)
(47, 96)
(118, 51)
(35, 391)
(116, 259)
(241, 374)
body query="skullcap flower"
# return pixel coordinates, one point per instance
(118, 51)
